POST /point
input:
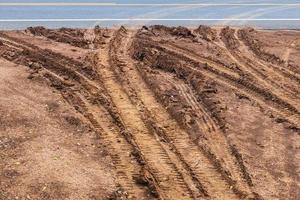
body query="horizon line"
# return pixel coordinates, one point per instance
(155, 19)
(145, 4)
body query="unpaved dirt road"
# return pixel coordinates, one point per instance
(152, 113)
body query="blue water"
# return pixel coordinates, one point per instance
(150, 12)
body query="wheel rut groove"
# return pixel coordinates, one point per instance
(259, 72)
(170, 182)
(99, 117)
(259, 95)
(206, 172)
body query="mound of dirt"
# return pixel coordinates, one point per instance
(182, 32)
(227, 35)
(38, 30)
(160, 29)
(174, 31)
(206, 33)
(73, 37)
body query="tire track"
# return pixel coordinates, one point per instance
(232, 77)
(214, 64)
(152, 152)
(119, 63)
(280, 70)
(126, 167)
(186, 93)
(210, 177)
(287, 97)
(170, 182)
(247, 65)
(118, 147)
(265, 153)
(215, 137)
(256, 46)
(265, 70)
(257, 94)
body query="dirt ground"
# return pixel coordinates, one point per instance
(47, 151)
(151, 113)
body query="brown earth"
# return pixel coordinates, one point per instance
(154, 113)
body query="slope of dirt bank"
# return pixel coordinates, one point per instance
(154, 113)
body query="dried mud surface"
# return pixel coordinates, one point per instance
(151, 113)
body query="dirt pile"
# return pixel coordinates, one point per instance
(182, 32)
(206, 33)
(38, 30)
(174, 31)
(101, 35)
(227, 35)
(73, 37)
